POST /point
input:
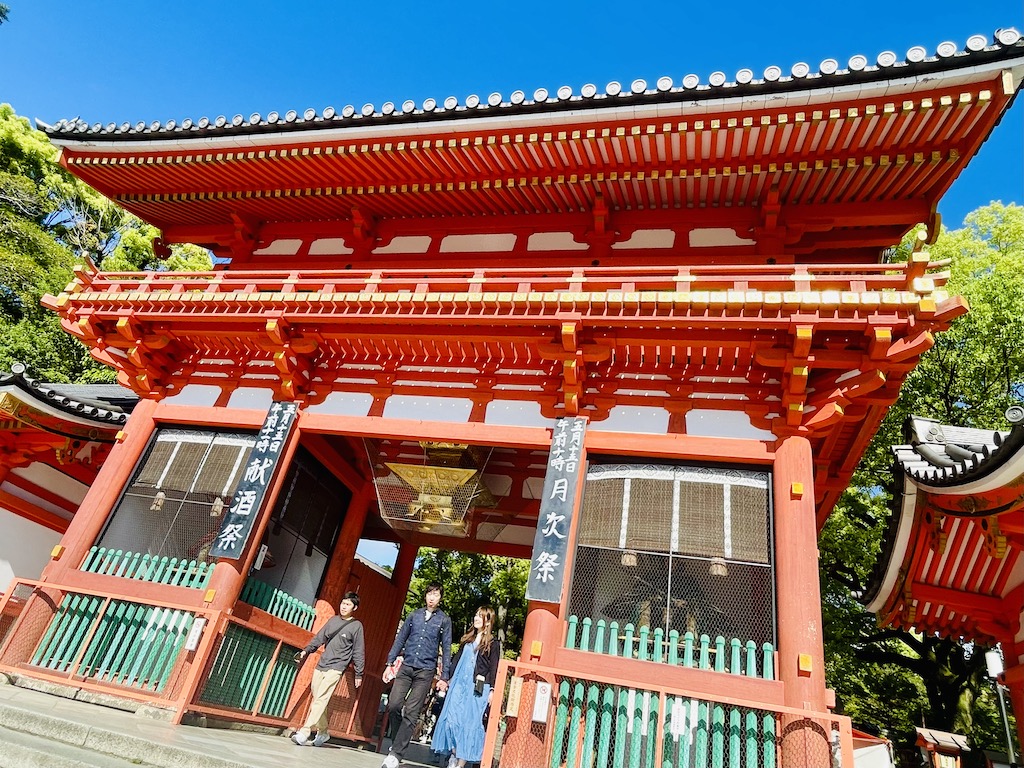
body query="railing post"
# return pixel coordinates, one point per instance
(497, 715)
(215, 625)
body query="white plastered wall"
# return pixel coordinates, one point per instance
(24, 547)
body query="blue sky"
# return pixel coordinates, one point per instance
(111, 62)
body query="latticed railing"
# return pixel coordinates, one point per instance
(354, 285)
(278, 603)
(720, 654)
(251, 672)
(114, 641)
(553, 719)
(143, 567)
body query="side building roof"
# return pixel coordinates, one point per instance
(104, 405)
(951, 561)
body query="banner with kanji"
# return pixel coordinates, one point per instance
(561, 481)
(252, 488)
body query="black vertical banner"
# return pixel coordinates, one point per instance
(561, 480)
(252, 488)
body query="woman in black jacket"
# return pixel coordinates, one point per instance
(460, 728)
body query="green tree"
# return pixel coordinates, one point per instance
(887, 679)
(470, 580)
(49, 223)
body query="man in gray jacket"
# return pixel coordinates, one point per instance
(342, 638)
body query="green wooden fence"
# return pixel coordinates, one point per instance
(143, 567)
(606, 726)
(278, 603)
(601, 725)
(247, 663)
(115, 641)
(720, 654)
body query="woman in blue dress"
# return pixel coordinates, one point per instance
(460, 728)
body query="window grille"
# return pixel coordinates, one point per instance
(676, 548)
(303, 528)
(174, 504)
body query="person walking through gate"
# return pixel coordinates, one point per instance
(342, 638)
(423, 633)
(460, 729)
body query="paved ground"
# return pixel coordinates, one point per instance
(41, 729)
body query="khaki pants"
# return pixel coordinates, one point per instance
(322, 686)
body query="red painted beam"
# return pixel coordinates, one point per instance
(34, 513)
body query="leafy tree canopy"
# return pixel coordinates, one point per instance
(888, 680)
(470, 580)
(49, 223)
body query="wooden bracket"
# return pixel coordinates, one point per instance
(910, 346)
(244, 236)
(995, 541)
(293, 360)
(934, 533)
(600, 235)
(364, 232)
(160, 249)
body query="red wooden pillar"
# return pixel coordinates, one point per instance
(401, 576)
(800, 649)
(338, 570)
(95, 508)
(542, 633)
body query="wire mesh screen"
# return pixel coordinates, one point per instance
(173, 505)
(12, 608)
(435, 493)
(676, 549)
(251, 672)
(304, 525)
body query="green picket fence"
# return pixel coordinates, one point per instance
(143, 567)
(599, 726)
(278, 603)
(116, 641)
(246, 664)
(720, 654)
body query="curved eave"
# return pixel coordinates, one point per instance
(979, 475)
(59, 407)
(895, 543)
(666, 99)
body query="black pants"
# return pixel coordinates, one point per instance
(406, 700)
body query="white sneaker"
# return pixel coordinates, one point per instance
(321, 738)
(299, 739)
(390, 762)
(453, 761)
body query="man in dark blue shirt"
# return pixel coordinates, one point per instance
(424, 632)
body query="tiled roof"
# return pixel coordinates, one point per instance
(1005, 44)
(942, 456)
(921, 539)
(104, 403)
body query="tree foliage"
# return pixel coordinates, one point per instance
(50, 222)
(470, 580)
(889, 680)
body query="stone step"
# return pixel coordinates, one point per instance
(32, 732)
(26, 750)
